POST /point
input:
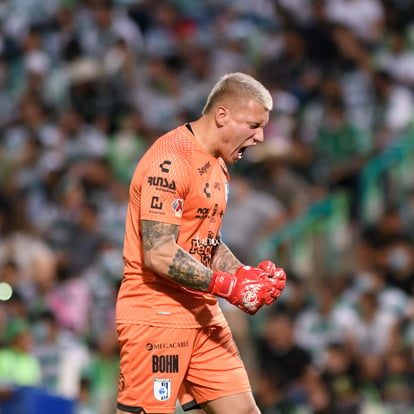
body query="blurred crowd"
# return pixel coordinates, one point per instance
(85, 88)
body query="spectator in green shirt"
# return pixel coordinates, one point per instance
(18, 366)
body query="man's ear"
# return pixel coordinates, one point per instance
(222, 115)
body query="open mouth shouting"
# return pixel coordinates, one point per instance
(241, 153)
(242, 150)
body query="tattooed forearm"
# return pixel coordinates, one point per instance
(224, 260)
(153, 233)
(164, 257)
(186, 271)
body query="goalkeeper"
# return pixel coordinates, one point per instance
(174, 341)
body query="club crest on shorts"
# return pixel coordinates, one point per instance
(162, 389)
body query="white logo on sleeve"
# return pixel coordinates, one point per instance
(162, 389)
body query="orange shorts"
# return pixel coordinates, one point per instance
(160, 365)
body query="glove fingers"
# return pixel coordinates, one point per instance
(268, 266)
(256, 287)
(280, 274)
(275, 286)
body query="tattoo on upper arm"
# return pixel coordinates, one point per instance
(188, 272)
(154, 232)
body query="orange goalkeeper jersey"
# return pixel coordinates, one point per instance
(175, 182)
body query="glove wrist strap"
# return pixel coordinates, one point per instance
(222, 284)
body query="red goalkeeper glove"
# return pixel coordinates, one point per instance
(248, 289)
(277, 275)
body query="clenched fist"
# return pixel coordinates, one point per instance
(249, 288)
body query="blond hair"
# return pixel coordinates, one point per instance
(238, 87)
